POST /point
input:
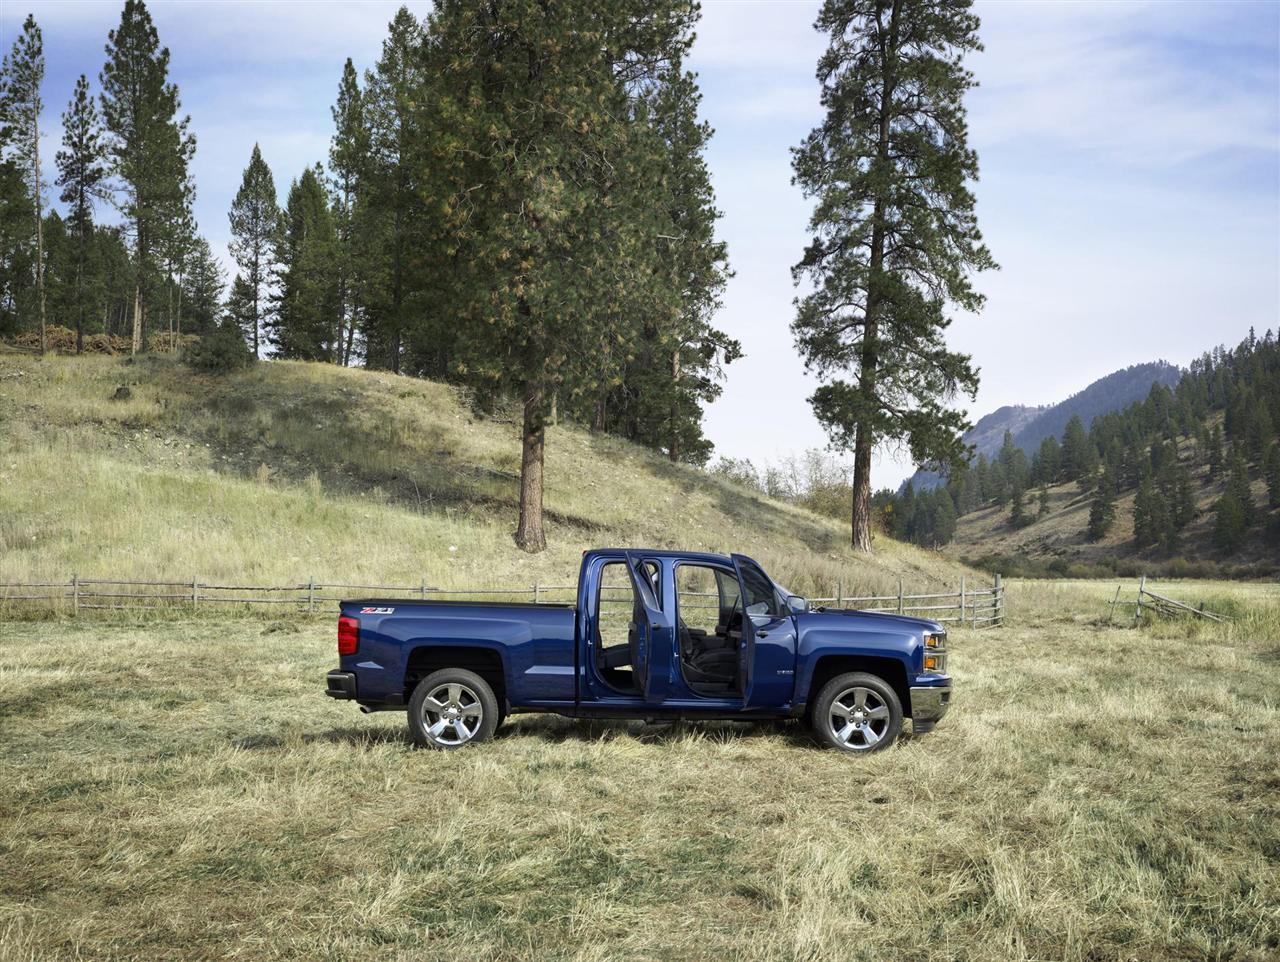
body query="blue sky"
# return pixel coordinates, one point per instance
(1130, 157)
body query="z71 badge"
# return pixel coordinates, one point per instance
(377, 611)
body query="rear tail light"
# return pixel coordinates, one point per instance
(348, 635)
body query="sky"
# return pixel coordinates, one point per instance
(1129, 155)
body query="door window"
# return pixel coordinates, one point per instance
(761, 599)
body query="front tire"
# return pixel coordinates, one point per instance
(857, 712)
(451, 708)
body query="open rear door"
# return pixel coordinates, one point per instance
(646, 614)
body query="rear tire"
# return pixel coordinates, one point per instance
(857, 713)
(451, 708)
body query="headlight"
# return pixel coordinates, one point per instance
(935, 652)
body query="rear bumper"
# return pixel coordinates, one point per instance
(928, 705)
(341, 684)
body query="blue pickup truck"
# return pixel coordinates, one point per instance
(654, 634)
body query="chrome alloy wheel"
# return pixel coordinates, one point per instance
(858, 718)
(452, 714)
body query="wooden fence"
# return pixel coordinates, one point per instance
(972, 607)
(1148, 600)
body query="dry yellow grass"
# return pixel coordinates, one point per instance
(294, 470)
(183, 790)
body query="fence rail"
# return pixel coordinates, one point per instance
(973, 607)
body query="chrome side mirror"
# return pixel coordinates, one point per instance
(797, 605)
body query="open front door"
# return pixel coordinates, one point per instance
(646, 616)
(761, 614)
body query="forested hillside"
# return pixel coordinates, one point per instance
(1190, 472)
(1031, 425)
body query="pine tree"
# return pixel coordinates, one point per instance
(545, 190)
(1102, 509)
(349, 158)
(82, 172)
(24, 74)
(391, 191)
(1230, 524)
(1150, 516)
(305, 323)
(202, 286)
(242, 309)
(1043, 499)
(1075, 450)
(149, 147)
(1238, 486)
(894, 235)
(1048, 461)
(255, 220)
(1271, 471)
(1018, 517)
(1215, 458)
(943, 519)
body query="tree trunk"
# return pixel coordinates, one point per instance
(80, 295)
(35, 139)
(673, 448)
(864, 441)
(169, 310)
(351, 336)
(137, 318)
(861, 516)
(529, 533)
(602, 399)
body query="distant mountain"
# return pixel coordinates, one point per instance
(1031, 425)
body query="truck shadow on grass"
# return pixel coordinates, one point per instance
(556, 730)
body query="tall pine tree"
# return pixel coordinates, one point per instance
(82, 172)
(24, 74)
(305, 323)
(544, 186)
(349, 157)
(894, 235)
(149, 145)
(255, 220)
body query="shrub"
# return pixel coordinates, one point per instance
(221, 352)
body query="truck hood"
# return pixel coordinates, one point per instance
(852, 618)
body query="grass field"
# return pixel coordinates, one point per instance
(183, 790)
(292, 470)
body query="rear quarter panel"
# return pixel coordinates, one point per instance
(536, 645)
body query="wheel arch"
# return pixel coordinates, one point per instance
(891, 669)
(485, 661)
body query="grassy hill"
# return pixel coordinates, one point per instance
(294, 470)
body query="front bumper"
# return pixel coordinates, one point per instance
(341, 684)
(928, 705)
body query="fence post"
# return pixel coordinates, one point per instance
(537, 594)
(195, 593)
(962, 601)
(1137, 609)
(899, 596)
(999, 612)
(75, 594)
(311, 595)
(840, 594)
(424, 587)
